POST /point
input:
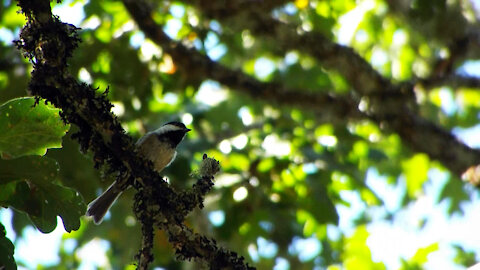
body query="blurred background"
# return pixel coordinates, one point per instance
(297, 190)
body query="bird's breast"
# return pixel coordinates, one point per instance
(160, 153)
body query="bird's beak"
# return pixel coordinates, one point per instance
(187, 130)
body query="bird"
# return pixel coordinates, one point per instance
(158, 146)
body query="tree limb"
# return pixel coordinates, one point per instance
(48, 43)
(197, 65)
(391, 106)
(453, 81)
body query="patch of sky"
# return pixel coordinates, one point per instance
(400, 37)
(274, 146)
(35, 248)
(447, 102)
(240, 194)
(390, 194)
(91, 23)
(172, 27)
(305, 248)
(349, 21)
(290, 9)
(211, 93)
(310, 168)
(470, 68)
(470, 136)
(6, 216)
(266, 225)
(281, 264)
(187, 118)
(333, 232)
(177, 11)
(214, 49)
(263, 67)
(198, 44)
(266, 248)
(215, 26)
(69, 13)
(6, 36)
(93, 255)
(211, 41)
(170, 98)
(379, 57)
(361, 36)
(253, 252)
(350, 211)
(137, 39)
(291, 58)
(69, 245)
(422, 223)
(225, 147)
(246, 116)
(217, 218)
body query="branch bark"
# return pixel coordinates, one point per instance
(48, 43)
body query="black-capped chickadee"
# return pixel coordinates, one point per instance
(158, 146)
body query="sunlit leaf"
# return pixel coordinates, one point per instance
(301, 3)
(420, 256)
(357, 255)
(29, 130)
(416, 170)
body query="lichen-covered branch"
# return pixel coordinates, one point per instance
(392, 106)
(189, 245)
(48, 43)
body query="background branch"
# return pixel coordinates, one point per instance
(391, 106)
(453, 81)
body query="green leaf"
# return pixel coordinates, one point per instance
(376, 155)
(29, 130)
(313, 78)
(33, 168)
(454, 191)
(356, 254)
(319, 204)
(420, 256)
(27, 184)
(6, 251)
(463, 256)
(416, 170)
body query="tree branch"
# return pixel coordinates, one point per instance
(453, 81)
(442, 22)
(48, 43)
(389, 105)
(197, 65)
(287, 38)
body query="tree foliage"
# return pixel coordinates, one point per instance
(310, 107)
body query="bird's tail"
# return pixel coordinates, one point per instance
(99, 207)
